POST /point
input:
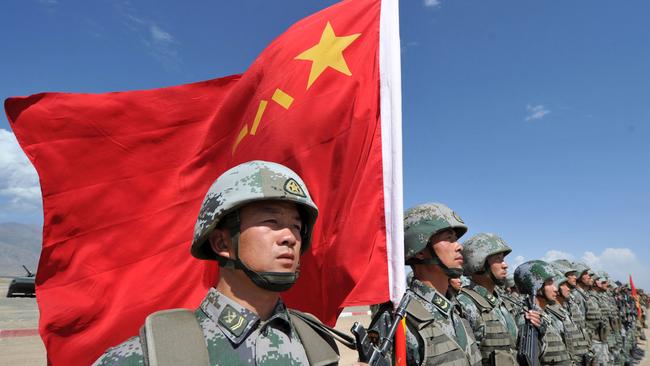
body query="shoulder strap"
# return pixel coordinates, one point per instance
(419, 312)
(479, 300)
(173, 337)
(316, 339)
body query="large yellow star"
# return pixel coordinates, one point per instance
(327, 53)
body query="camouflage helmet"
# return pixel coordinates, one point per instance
(580, 268)
(561, 270)
(601, 276)
(246, 183)
(425, 220)
(479, 247)
(564, 266)
(530, 276)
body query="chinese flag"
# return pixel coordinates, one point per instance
(123, 176)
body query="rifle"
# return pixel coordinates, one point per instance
(527, 349)
(376, 355)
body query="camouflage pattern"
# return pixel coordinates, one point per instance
(580, 268)
(422, 221)
(554, 350)
(574, 339)
(249, 182)
(447, 323)
(497, 314)
(530, 276)
(564, 266)
(480, 246)
(234, 336)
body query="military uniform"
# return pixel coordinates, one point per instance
(574, 339)
(595, 325)
(234, 336)
(222, 331)
(436, 334)
(493, 325)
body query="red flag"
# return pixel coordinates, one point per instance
(123, 176)
(400, 344)
(635, 295)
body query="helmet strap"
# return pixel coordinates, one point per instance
(450, 272)
(272, 281)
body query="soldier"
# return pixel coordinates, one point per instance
(575, 338)
(256, 220)
(436, 334)
(490, 317)
(588, 302)
(536, 278)
(610, 315)
(571, 304)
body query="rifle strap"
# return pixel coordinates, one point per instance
(309, 319)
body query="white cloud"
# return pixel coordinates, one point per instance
(536, 112)
(619, 263)
(161, 44)
(19, 187)
(553, 254)
(159, 35)
(432, 3)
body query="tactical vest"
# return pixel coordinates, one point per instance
(576, 313)
(574, 338)
(439, 348)
(174, 337)
(513, 305)
(496, 337)
(555, 352)
(594, 317)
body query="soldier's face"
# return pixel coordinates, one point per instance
(550, 292)
(572, 279)
(455, 283)
(270, 238)
(446, 246)
(565, 291)
(497, 264)
(586, 279)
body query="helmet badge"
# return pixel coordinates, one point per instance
(291, 186)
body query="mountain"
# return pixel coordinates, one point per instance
(19, 244)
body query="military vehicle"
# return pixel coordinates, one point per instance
(23, 286)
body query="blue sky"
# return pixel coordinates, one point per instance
(530, 118)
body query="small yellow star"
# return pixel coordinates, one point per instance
(327, 53)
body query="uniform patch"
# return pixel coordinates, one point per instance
(291, 186)
(441, 302)
(233, 320)
(492, 299)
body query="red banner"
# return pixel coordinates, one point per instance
(123, 176)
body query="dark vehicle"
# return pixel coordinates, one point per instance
(23, 286)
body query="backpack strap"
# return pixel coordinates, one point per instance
(173, 337)
(479, 300)
(312, 333)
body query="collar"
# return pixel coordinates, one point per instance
(431, 295)
(235, 321)
(493, 299)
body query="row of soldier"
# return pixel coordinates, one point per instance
(468, 311)
(256, 221)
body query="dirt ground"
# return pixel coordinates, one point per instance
(19, 321)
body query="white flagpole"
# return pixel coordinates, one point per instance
(391, 135)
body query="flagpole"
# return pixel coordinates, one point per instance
(391, 131)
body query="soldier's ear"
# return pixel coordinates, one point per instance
(220, 242)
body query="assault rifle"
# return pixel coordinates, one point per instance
(368, 351)
(527, 349)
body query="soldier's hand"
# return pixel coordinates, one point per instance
(534, 316)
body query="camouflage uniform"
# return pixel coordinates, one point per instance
(530, 278)
(436, 334)
(610, 319)
(593, 319)
(491, 318)
(434, 319)
(234, 336)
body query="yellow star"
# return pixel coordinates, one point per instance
(327, 53)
